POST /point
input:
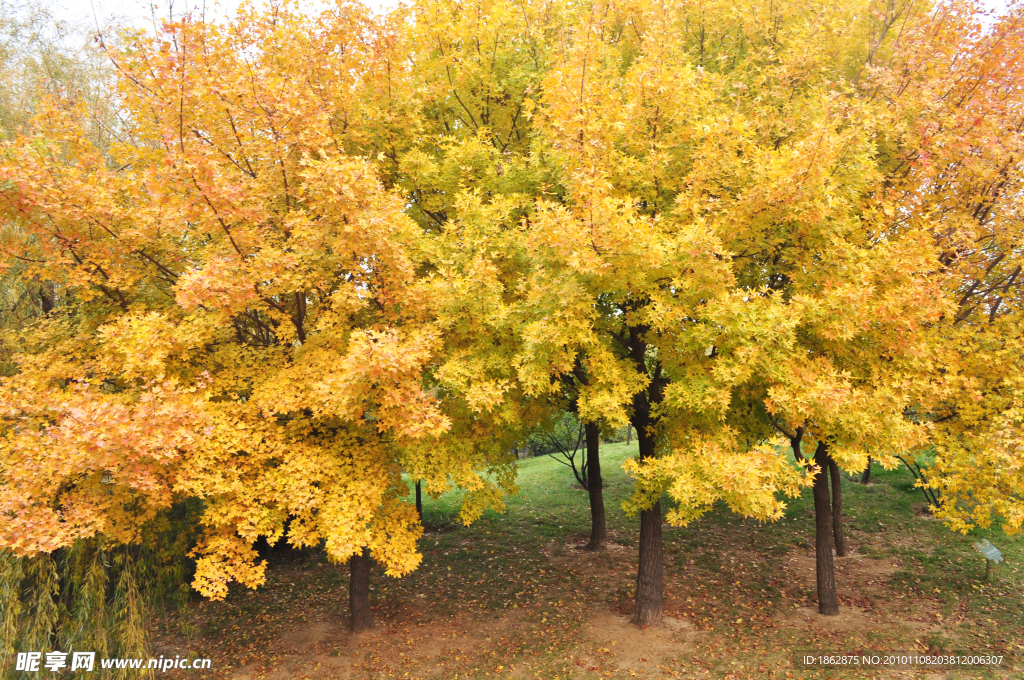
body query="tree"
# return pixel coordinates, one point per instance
(242, 323)
(595, 488)
(957, 92)
(867, 284)
(781, 150)
(620, 279)
(41, 57)
(770, 275)
(562, 439)
(91, 593)
(467, 166)
(591, 438)
(320, 252)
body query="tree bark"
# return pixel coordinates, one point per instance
(419, 499)
(649, 581)
(629, 435)
(867, 473)
(828, 602)
(838, 535)
(359, 592)
(585, 468)
(595, 486)
(46, 297)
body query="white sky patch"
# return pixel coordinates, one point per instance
(85, 15)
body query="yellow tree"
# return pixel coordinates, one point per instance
(624, 273)
(464, 159)
(476, 173)
(956, 100)
(824, 332)
(240, 322)
(855, 258)
(745, 162)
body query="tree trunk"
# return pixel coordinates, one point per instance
(828, 602)
(419, 499)
(629, 435)
(837, 508)
(598, 531)
(867, 473)
(359, 592)
(46, 297)
(584, 469)
(649, 581)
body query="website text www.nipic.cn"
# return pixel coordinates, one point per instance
(32, 662)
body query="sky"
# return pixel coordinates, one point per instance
(88, 14)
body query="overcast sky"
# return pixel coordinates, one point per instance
(85, 14)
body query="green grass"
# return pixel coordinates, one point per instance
(550, 503)
(510, 591)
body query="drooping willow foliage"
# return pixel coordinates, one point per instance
(97, 597)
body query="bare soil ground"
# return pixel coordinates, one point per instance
(514, 597)
(704, 635)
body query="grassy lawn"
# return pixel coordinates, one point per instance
(512, 597)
